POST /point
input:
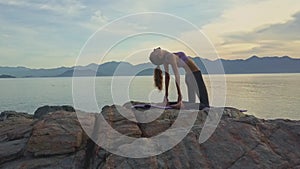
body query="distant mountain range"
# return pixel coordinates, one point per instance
(253, 64)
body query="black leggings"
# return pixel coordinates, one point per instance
(195, 85)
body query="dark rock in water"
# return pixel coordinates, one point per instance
(60, 140)
(48, 109)
(12, 114)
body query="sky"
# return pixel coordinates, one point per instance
(54, 33)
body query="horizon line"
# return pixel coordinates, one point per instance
(149, 62)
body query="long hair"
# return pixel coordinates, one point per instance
(158, 78)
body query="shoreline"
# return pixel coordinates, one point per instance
(205, 75)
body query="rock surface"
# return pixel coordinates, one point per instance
(59, 139)
(40, 112)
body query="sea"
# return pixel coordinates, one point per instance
(267, 96)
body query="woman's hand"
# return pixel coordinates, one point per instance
(166, 101)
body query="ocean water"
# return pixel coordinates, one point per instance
(267, 96)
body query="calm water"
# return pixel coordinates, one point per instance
(263, 95)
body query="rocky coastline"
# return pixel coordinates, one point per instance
(53, 137)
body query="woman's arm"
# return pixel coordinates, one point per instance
(177, 78)
(167, 80)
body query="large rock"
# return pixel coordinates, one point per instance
(240, 141)
(15, 130)
(15, 126)
(57, 133)
(12, 114)
(12, 149)
(41, 111)
(56, 140)
(60, 140)
(52, 162)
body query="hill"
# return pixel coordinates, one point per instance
(28, 72)
(253, 64)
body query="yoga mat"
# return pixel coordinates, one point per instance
(148, 106)
(187, 106)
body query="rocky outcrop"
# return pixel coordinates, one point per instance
(48, 109)
(54, 141)
(57, 140)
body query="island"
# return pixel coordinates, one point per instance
(7, 76)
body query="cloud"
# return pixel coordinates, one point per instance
(53, 30)
(13, 2)
(66, 6)
(248, 17)
(274, 39)
(69, 7)
(98, 17)
(94, 20)
(286, 31)
(231, 32)
(36, 39)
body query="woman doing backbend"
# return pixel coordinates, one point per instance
(193, 76)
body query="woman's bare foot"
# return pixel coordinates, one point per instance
(178, 105)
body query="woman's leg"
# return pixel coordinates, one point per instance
(190, 87)
(202, 88)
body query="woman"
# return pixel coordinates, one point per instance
(193, 77)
